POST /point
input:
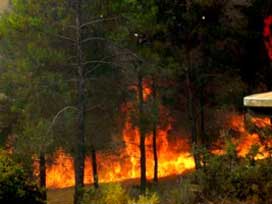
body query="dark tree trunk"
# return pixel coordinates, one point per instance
(154, 143)
(142, 133)
(43, 175)
(155, 154)
(194, 134)
(80, 140)
(192, 112)
(204, 139)
(94, 166)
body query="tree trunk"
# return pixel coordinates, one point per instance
(80, 140)
(194, 133)
(43, 175)
(142, 133)
(191, 109)
(204, 139)
(155, 179)
(154, 143)
(94, 166)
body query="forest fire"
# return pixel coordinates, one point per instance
(107, 102)
(174, 156)
(246, 139)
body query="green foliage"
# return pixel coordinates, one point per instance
(253, 182)
(7, 118)
(141, 15)
(225, 177)
(15, 187)
(253, 152)
(116, 194)
(148, 198)
(37, 133)
(107, 194)
(231, 152)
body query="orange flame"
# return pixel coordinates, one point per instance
(261, 122)
(246, 140)
(173, 157)
(146, 92)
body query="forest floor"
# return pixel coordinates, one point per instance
(65, 195)
(60, 196)
(3, 4)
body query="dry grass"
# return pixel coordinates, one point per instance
(60, 196)
(65, 195)
(3, 4)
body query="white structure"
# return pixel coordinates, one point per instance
(261, 100)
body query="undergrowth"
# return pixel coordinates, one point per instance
(224, 179)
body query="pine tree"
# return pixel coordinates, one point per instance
(52, 45)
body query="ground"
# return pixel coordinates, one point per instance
(60, 196)
(65, 195)
(3, 4)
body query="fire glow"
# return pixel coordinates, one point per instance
(174, 155)
(174, 158)
(245, 139)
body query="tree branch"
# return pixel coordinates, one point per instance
(93, 38)
(94, 107)
(98, 20)
(58, 114)
(65, 38)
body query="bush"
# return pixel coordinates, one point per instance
(149, 198)
(15, 187)
(115, 194)
(184, 193)
(106, 194)
(227, 177)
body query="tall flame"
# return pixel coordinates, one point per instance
(173, 157)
